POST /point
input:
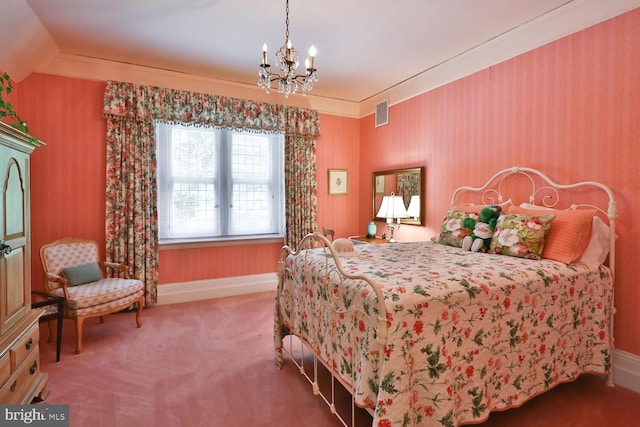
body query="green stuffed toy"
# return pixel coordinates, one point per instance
(480, 238)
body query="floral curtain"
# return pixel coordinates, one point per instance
(131, 215)
(130, 110)
(408, 185)
(301, 192)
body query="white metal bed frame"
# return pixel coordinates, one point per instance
(315, 240)
(547, 194)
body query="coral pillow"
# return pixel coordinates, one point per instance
(569, 234)
(472, 207)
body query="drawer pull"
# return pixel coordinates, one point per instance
(14, 385)
(33, 368)
(29, 343)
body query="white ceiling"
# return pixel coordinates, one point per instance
(365, 47)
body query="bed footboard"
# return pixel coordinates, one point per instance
(331, 294)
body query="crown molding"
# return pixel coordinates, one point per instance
(83, 67)
(570, 18)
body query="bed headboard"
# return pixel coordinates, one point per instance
(526, 185)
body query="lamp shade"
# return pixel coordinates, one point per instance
(414, 207)
(382, 213)
(392, 207)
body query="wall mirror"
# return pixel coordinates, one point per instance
(407, 183)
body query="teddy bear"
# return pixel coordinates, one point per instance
(480, 238)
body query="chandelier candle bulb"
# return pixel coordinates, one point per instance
(312, 54)
(264, 53)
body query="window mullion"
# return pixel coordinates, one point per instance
(225, 181)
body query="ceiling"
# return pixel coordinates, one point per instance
(365, 47)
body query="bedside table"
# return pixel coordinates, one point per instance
(366, 239)
(51, 308)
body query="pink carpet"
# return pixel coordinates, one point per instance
(211, 363)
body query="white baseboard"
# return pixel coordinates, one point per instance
(626, 370)
(626, 366)
(172, 293)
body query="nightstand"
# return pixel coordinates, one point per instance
(51, 308)
(365, 239)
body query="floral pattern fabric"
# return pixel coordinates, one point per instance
(468, 333)
(131, 203)
(301, 190)
(451, 231)
(131, 212)
(520, 235)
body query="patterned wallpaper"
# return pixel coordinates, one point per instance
(568, 108)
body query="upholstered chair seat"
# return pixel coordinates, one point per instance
(74, 272)
(101, 295)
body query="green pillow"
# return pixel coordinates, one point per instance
(82, 274)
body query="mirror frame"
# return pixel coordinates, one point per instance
(418, 170)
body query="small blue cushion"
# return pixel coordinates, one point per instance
(82, 274)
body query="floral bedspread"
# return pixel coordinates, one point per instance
(468, 333)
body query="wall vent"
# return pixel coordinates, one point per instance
(382, 113)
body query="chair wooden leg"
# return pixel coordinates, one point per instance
(79, 321)
(139, 312)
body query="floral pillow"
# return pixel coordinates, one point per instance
(452, 232)
(569, 234)
(520, 235)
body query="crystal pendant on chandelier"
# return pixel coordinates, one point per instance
(287, 63)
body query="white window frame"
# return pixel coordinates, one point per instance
(221, 184)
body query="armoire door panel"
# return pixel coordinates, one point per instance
(14, 201)
(14, 302)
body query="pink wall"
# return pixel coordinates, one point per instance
(67, 174)
(68, 180)
(569, 108)
(339, 148)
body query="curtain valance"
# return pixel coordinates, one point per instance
(147, 103)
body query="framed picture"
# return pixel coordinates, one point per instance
(338, 181)
(380, 184)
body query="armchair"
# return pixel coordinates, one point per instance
(73, 271)
(328, 232)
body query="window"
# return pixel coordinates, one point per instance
(219, 184)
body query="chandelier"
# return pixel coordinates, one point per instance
(287, 62)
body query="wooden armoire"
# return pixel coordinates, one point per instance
(20, 378)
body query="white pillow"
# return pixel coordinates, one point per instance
(344, 247)
(598, 248)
